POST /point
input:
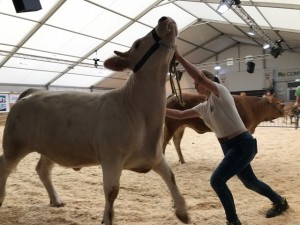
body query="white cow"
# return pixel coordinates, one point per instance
(118, 130)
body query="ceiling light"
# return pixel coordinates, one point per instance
(251, 32)
(266, 46)
(226, 5)
(217, 67)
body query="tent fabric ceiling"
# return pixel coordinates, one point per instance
(56, 46)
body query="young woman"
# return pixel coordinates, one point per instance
(239, 147)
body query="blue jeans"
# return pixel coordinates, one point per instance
(238, 153)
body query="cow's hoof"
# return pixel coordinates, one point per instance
(183, 218)
(57, 205)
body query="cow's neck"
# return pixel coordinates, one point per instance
(270, 111)
(146, 88)
(150, 81)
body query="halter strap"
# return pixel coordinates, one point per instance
(153, 48)
(154, 35)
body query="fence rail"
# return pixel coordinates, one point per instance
(286, 122)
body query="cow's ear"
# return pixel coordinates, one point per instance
(116, 64)
(122, 54)
(269, 99)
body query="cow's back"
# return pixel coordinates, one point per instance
(66, 122)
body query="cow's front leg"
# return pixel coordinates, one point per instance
(166, 173)
(111, 184)
(44, 169)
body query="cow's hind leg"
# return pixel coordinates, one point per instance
(166, 173)
(44, 169)
(8, 162)
(167, 137)
(111, 184)
(176, 140)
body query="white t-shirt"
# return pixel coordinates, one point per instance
(219, 113)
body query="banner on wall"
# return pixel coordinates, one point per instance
(13, 98)
(287, 75)
(4, 103)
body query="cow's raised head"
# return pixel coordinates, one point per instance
(161, 37)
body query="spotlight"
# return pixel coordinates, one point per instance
(226, 5)
(276, 51)
(27, 5)
(250, 66)
(96, 60)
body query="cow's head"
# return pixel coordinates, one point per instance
(277, 104)
(162, 36)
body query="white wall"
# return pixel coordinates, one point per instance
(236, 77)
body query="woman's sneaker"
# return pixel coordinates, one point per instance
(237, 222)
(277, 209)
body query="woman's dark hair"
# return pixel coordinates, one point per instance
(216, 79)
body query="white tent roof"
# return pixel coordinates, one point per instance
(55, 46)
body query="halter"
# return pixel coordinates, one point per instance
(173, 69)
(275, 105)
(152, 49)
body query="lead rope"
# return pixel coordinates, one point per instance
(172, 69)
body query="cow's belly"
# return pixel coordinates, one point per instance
(71, 157)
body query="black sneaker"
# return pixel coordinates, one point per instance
(237, 222)
(277, 209)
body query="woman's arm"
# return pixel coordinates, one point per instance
(178, 114)
(196, 74)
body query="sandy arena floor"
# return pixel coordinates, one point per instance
(144, 198)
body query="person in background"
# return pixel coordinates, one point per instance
(239, 147)
(269, 94)
(243, 94)
(297, 94)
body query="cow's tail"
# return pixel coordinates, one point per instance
(27, 93)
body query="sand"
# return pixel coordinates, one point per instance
(144, 198)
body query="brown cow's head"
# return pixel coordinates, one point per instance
(277, 103)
